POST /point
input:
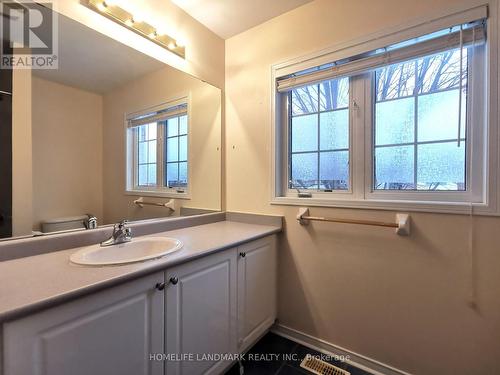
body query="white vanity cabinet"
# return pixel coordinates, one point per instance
(190, 314)
(109, 332)
(200, 314)
(257, 299)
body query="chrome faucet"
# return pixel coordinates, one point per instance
(121, 234)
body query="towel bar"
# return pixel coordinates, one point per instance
(402, 222)
(170, 204)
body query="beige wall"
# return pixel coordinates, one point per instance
(22, 184)
(204, 49)
(204, 141)
(67, 152)
(401, 301)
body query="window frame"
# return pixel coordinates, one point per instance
(481, 171)
(131, 154)
(165, 162)
(473, 161)
(291, 192)
(133, 133)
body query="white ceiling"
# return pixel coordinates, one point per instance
(94, 62)
(227, 18)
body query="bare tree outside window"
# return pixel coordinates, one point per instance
(319, 129)
(417, 146)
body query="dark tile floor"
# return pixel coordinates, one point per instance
(276, 355)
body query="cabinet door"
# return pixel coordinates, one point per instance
(110, 332)
(200, 307)
(256, 289)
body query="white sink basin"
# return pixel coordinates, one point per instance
(138, 250)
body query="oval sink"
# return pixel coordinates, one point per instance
(138, 250)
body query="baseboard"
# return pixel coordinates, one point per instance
(355, 359)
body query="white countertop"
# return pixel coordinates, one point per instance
(36, 282)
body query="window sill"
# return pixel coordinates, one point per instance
(159, 194)
(461, 208)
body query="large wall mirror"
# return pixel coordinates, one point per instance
(111, 134)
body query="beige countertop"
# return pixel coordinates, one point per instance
(36, 282)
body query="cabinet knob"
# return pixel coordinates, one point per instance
(174, 280)
(160, 286)
(243, 254)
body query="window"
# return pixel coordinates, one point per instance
(146, 145)
(319, 136)
(176, 146)
(403, 123)
(157, 151)
(420, 121)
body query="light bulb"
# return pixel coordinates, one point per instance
(153, 35)
(129, 22)
(102, 6)
(171, 45)
(180, 43)
(138, 18)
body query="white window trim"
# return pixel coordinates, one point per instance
(130, 178)
(388, 200)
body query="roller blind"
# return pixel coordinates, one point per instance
(451, 38)
(158, 116)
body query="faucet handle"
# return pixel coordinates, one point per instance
(90, 222)
(119, 226)
(122, 224)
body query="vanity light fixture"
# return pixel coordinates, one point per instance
(111, 10)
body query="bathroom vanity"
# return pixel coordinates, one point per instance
(174, 315)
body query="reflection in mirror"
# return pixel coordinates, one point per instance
(111, 134)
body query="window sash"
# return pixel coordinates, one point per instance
(159, 156)
(355, 159)
(413, 145)
(318, 150)
(475, 144)
(178, 161)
